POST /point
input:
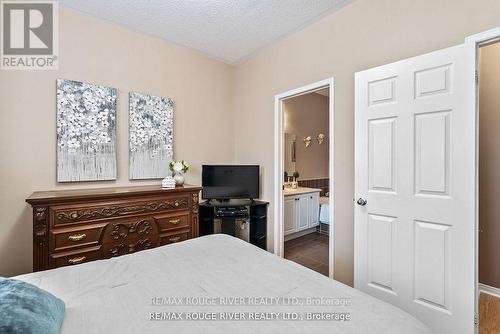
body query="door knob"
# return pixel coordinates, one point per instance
(361, 201)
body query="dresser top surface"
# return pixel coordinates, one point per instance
(44, 197)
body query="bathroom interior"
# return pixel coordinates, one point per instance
(306, 180)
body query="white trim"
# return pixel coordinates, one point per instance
(478, 40)
(279, 165)
(489, 290)
(484, 37)
(300, 234)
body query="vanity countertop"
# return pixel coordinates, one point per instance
(300, 191)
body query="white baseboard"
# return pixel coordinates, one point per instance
(300, 234)
(489, 290)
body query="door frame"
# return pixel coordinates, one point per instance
(478, 40)
(278, 214)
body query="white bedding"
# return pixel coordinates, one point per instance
(115, 296)
(324, 210)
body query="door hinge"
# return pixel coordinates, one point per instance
(476, 75)
(476, 319)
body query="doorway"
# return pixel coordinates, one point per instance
(305, 180)
(304, 185)
(488, 139)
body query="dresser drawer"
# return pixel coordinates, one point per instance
(74, 237)
(175, 237)
(73, 214)
(60, 259)
(172, 221)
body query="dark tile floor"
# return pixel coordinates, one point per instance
(310, 250)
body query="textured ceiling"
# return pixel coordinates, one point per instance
(228, 30)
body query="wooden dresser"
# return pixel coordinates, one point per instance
(76, 226)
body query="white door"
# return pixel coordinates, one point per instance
(415, 160)
(289, 215)
(302, 212)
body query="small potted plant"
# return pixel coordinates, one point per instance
(178, 168)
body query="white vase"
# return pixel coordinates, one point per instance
(179, 179)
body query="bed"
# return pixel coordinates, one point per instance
(324, 215)
(125, 294)
(324, 210)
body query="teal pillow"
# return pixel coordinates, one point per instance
(27, 309)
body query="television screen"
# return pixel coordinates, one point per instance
(230, 181)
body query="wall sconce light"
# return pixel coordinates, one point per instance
(320, 138)
(307, 141)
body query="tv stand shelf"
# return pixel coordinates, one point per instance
(257, 218)
(232, 203)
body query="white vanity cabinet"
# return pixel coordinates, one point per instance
(313, 204)
(289, 215)
(301, 210)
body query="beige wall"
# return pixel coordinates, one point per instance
(307, 115)
(212, 97)
(364, 34)
(489, 165)
(98, 52)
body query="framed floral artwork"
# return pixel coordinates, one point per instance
(86, 132)
(151, 126)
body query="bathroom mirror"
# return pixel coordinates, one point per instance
(290, 152)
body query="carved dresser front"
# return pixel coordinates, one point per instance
(76, 226)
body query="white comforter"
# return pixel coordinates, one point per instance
(324, 210)
(115, 296)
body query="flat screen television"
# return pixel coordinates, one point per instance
(230, 181)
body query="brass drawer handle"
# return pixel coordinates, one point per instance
(175, 239)
(77, 260)
(77, 237)
(174, 221)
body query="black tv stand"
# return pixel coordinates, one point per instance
(215, 200)
(230, 202)
(228, 216)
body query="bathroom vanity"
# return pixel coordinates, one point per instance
(301, 211)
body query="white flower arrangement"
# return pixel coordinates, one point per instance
(178, 166)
